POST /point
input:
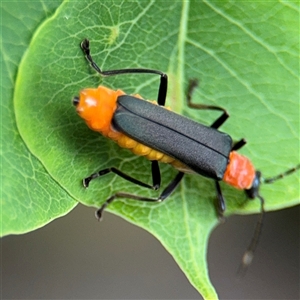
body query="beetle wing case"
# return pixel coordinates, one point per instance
(203, 149)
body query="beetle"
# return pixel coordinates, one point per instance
(151, 130)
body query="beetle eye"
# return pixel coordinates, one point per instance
(75, 100)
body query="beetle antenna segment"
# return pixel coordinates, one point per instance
(279, 176)
(249, 253)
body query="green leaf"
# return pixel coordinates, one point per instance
(30, 198)
(246, 57)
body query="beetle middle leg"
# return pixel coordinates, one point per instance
(193, 83)
(221, 206)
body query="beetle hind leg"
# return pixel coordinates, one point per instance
(163, 196)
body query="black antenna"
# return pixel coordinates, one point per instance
(253, 193)
(249, 253)
(280, 176)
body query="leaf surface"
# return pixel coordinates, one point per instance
(246, 58)
(30, 198)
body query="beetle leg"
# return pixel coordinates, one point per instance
(220, 200)
(238, 145)
(193, 83)
(171, 187)
(164, 195)
(154, 171)
(163, 86)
